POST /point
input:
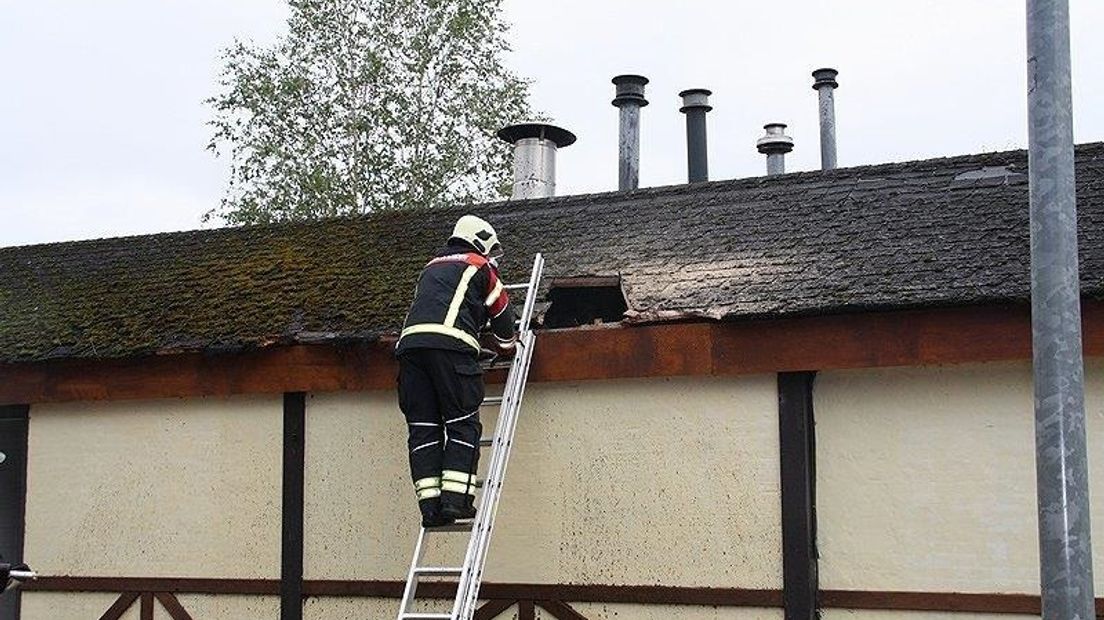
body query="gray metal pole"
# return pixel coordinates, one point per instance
(825, 85)
(1065, 550)
(629, 100)
(695, 104)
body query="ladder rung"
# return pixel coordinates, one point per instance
(515, 287)
(459, 526)
(439, 571)
(492, 400)
(486, 441)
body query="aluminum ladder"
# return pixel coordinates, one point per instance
(470, 573)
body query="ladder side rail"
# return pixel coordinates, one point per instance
(410, 591)
(479, 524)
(476, 569)
(468, 589)
(489, 496)
(512, 405)
(531, 291)
(486, 498)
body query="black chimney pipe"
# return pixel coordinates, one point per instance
(695, 103)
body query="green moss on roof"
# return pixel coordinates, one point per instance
(873, 237)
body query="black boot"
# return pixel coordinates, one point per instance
(457, 506)
(431, 513)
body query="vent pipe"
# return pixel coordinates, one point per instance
(535, 146)
(825, 85)
(629, 100)
(695, 103)
(775, 144)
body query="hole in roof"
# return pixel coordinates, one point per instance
(989, 172)
(585, 301)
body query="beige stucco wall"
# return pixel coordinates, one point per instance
(184, 488)
(669, 481)
(926, 478)
(226, 607)
(71, 606)
(359, 608)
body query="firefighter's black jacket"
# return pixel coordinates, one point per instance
(457, 293)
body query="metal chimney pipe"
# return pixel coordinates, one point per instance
(1061, 470)
(775, 144)
(535, 146)
(825, 85)
(695, 103)
(629, 100)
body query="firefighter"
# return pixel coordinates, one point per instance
(440, 380)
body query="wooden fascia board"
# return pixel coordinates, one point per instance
(868, 340)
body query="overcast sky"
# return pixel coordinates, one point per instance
(102, 121)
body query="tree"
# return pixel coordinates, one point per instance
(367, 105)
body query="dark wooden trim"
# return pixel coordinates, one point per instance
(546, 595)
(175, 610)
(145, 612)
(137, 585)
(797, 460)
(906, 338)
(121, 605)
(14, 412)
(659, 595)
(492, 609)
(936, 601)
(14, 429)
(527, 610)
(291, 549)
(560, 610)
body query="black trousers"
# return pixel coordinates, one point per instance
(440, 393)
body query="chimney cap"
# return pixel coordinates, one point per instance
(825, 77)
(544, 131)
(630, 89)
(695, 98)
(776, 140)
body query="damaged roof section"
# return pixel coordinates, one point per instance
(929, 233)
(586, 300)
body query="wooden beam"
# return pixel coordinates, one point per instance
(172, 606)
(1027, 604)
(145, 610)
(560, 610)
(867, 340)
(121, 605)
(546, 594)
(137, 585)
(14, 427)
(291, 550)
(797, 452)
(492, 609)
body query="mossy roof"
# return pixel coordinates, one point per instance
(939, 232)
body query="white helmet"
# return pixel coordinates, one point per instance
(480, 234)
